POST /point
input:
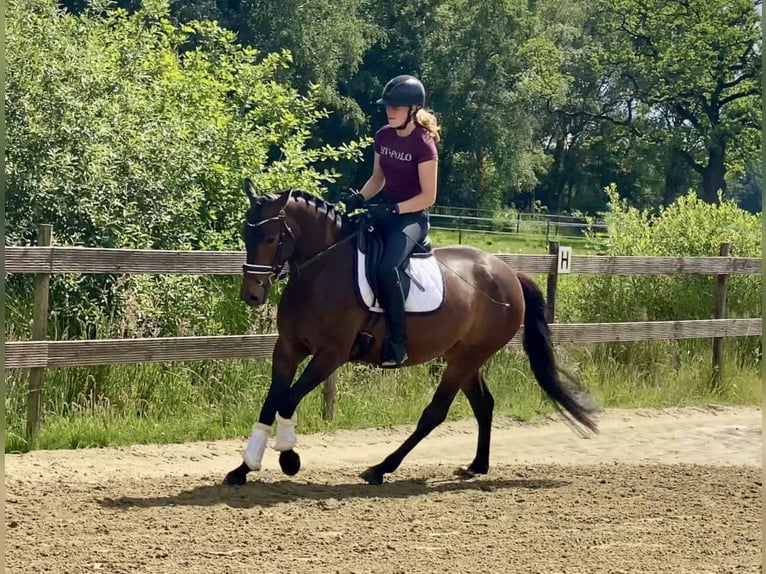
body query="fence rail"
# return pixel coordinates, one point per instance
(45, 259)
(46, 354)
(54, 260)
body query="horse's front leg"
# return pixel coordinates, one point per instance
(320, 367)
(285, 361)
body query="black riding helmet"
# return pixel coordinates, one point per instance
(403, 90)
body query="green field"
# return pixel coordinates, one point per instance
(507, 242)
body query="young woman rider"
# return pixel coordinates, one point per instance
(404, 176)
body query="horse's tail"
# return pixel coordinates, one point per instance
(573, 403)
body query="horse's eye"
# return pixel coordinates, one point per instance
(270, 239)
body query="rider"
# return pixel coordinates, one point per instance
(404, 172)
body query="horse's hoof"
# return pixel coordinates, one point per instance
(372, 476)
(468, 472)
(238, 476)
(289, 462)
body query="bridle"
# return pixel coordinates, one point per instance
(276, 269)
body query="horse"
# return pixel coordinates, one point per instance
(321, 314)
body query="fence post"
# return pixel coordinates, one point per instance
(39, 333)
(329, 396)
(720, 313)
(553, 281)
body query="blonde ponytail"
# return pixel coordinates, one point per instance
(427, 120)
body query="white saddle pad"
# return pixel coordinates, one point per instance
(426, 285)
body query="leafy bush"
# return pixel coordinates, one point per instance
(125, 130)
(688, 227)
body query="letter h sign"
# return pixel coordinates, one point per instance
(565, 259)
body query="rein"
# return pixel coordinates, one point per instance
(309, 261)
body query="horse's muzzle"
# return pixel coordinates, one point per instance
(254, 291)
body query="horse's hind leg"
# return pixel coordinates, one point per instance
(483, 404)
(433, 415)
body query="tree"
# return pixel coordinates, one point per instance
(326, 38)
(580, 146)
(686, 76)
(122, 136)
(489, 75)
(125, 130)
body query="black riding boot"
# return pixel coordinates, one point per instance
(394, 351)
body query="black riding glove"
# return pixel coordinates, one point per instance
(353, 200)
(382, 210)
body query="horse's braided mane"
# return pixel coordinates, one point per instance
(318, 203)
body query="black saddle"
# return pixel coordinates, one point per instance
(370, 242)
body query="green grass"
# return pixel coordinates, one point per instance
(157, 403)
(506, 242)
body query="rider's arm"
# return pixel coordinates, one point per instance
(376, 182)
(427, 196)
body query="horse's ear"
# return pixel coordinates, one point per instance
(282, 200)
(250, 189)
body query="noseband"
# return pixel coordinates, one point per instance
(275, 269)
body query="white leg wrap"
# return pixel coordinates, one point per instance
(285, 439)
(256, 446)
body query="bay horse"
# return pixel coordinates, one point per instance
(320, 315)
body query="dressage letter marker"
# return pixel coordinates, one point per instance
(565, 259)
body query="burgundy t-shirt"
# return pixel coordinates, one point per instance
(399, 159)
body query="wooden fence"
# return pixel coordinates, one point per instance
(45, 259)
